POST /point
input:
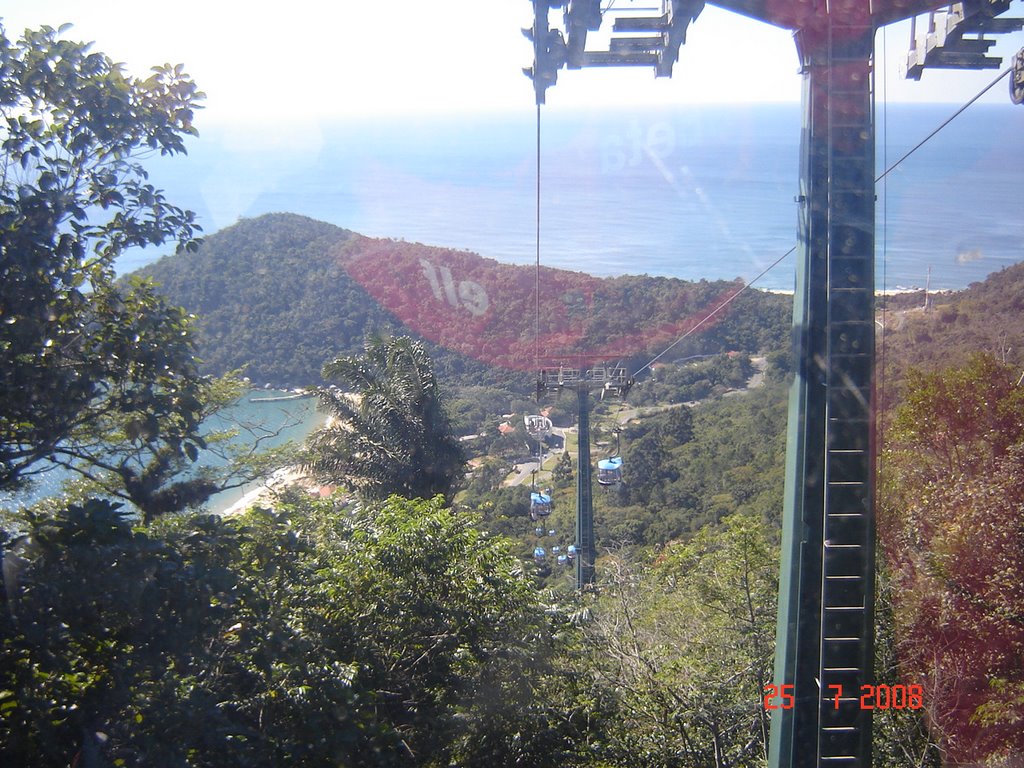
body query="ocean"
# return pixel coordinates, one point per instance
(701, 192)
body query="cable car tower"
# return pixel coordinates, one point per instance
(825, 632)
(610, 381)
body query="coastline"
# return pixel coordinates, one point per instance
(267, 487)
(287, 413)
(262, 490)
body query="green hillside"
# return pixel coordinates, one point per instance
(988, 316)
(270, 296)
(281, 294)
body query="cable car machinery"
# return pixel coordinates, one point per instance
(826, 602)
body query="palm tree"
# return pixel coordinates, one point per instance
(390, 434)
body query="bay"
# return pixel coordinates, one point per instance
(267, 418)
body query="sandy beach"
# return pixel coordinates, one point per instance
(281, 478)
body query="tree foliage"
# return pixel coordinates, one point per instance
(687, 643)
(984, 317)
(563, 474)
(313, 291)
(964, 419)
(113, 458)
(953, 500)
(75, 347)
(104, 627)
(307, 634)
(688, 467)
(393, 435)
(681, 383)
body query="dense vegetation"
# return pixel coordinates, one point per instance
(283, 294)
(985, 317)
(392, 435)
(261, 290)
(951, 505)
(951, 528)
(76, 350)
(399, 634)
(308, 635)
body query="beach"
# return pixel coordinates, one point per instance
(265, 491)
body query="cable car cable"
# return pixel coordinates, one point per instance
(540, 503)
(775, 263)
(948, 120)
(714, 312)
(536, 327)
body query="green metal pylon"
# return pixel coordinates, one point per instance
(825, 632)
(585, 554)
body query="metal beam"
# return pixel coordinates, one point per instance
(611, 381)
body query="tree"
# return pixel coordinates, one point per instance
(392, 436)
(648, 467)
(963, 419)
(105, 629)
(76, 347)
(307, 634)
(677, 428)
(688, 642)
(563, 473)
(950, 521)
(114, 459)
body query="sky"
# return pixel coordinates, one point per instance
(261, 63)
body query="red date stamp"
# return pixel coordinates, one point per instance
(782, 692)
(871, 696)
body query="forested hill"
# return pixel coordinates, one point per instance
(261, 289)
(985, 317)
(281, 294)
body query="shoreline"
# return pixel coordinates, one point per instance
(264, 491)
(264, 488)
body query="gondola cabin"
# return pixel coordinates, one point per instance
(540, 505)
(609, 471)
(539, 554)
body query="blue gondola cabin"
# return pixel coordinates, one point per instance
(609, 471)
(540, 505)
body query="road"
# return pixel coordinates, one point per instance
(523, 472)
